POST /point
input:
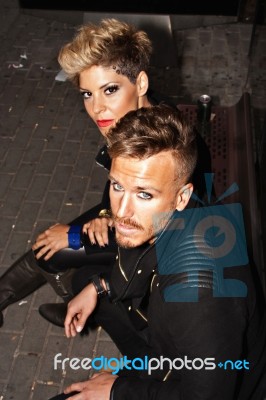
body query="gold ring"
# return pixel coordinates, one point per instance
(105, 213)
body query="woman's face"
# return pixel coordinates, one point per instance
(108, 96)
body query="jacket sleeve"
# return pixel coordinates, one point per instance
(211, 329)
(136, 388)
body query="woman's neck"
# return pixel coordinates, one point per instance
(144, 102)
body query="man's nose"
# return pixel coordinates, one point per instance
(125, 208)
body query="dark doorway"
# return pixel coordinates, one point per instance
(190, 7)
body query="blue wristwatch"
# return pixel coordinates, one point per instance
(74, 241)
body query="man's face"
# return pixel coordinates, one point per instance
(142, 190)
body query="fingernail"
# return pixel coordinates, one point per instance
(79, 329)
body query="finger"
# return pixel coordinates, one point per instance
(49, 254)
(70, 330)
(97, 374)
(86, 227)
(101, 231)
(39, 242)
(35, 246)
(90, 233)
(41, 252)
(79, 322)
(52, 226)
(99, 238)
(75, 387)
(67, 323)
(73, 331)
(38, 255)
(41, 236)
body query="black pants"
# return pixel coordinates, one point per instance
(115, 320)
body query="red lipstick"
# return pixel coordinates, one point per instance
(103, 123)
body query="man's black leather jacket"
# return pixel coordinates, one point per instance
(199, 309)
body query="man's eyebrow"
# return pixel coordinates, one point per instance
(139, 188)
(144, 189)
(111, 177)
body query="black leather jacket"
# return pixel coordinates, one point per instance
(197, 308)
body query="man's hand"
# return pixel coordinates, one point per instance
(97, 230)
(96, 388)
(52, 240)
(79, 309)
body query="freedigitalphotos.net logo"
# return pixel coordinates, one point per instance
(115, 365)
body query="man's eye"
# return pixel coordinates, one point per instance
(85, 95)
(145, 195)
(117, 187)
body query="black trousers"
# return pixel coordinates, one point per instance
(115, 320)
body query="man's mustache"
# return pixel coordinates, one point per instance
(128, 222)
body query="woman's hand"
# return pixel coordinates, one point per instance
(79, 309)
(51, 240)
(97, 230)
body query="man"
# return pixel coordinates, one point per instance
(181, 295)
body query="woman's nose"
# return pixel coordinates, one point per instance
(98, 106)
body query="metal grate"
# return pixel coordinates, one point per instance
(215, 136)
(229, 138)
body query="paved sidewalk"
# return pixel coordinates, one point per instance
(48, 174)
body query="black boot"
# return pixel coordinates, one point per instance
(20, 280)
(61, 282)
(54, 313)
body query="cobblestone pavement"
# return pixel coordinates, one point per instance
(48, 174)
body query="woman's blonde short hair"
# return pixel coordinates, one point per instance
(112, 43)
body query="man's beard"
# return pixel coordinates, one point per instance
(152, 232)
(124, 241)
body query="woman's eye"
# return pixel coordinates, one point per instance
(145, 195)
(86, 95)
(111, 89)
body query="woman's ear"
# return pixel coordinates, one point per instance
(183, 196)
(142, 83)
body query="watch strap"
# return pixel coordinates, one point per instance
(101, 291)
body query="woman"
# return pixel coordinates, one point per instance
(109, 65)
